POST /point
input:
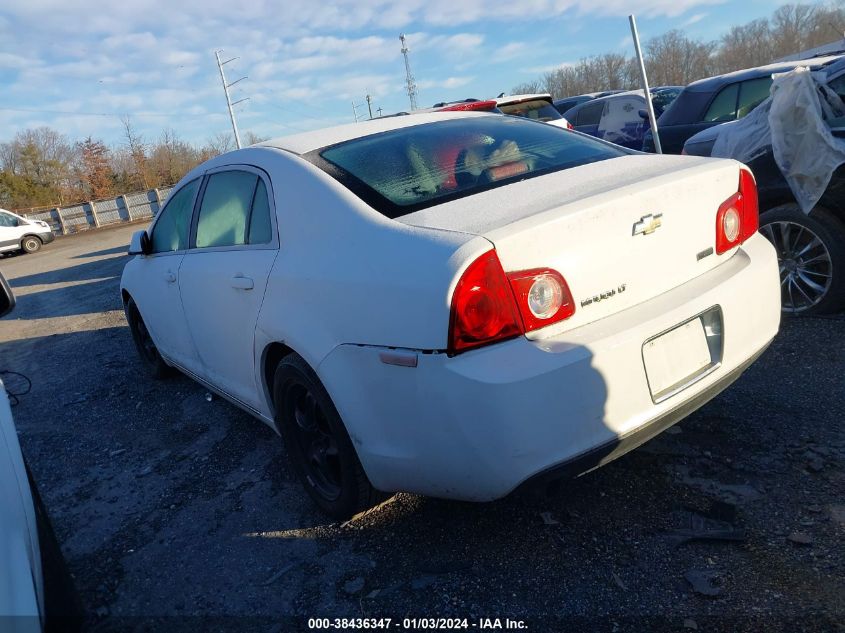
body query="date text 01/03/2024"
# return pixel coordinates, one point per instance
(412, 624)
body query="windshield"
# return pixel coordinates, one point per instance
(401, 171)
(539, 109)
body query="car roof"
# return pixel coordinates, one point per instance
(305, 142)
(712, 83)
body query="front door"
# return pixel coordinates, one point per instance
(156, 287)
(223, 277)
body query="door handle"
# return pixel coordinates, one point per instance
(170, 276)
(242, 283)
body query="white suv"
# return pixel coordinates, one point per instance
(18, 233)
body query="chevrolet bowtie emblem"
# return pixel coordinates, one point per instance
(647, 224)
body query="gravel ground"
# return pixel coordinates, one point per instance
(170, 506)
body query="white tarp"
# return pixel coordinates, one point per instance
(792, 121)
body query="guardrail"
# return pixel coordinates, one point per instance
(127, 207)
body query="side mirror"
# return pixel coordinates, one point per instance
(7, 297)
(140, 243)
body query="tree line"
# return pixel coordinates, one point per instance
(43, 168)
(673, 59)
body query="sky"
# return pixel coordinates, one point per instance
(79, 66)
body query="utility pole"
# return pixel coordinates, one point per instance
(409, 78)
(370, 106)
(228, 98)
(379, 112)
(646, 90)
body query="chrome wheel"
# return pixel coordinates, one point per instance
(806, 269)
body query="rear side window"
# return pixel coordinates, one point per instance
(723, 107)
(751, 94)
(260, 227)
(172, 227)
(589, 114)
(401, 171)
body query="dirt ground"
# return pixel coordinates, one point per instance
(180, 513)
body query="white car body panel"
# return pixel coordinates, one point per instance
(349, 285)
(21, 583)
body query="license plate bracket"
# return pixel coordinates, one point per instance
(684, 354)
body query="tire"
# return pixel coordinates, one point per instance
(31, 243)
(317, 443)
(147, 350)
(62, 607)
(811, 258)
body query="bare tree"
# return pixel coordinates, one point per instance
(138, 152)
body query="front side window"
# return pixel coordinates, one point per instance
(7, 219)
(723, 107)
(590, 114)
(172, 227)
(404, 170)
(751, 94)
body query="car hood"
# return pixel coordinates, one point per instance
(20, 559)
(709, 134)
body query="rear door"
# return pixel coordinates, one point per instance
(224, 276)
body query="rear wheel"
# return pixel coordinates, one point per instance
(144, 342)
(811, 258)
(317, 442)
(31, 243)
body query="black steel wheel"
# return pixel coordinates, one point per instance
(317, 443)
(144, 342)
(811, 258)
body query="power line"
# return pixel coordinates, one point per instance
(108, 114)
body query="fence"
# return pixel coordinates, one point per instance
(129, 207)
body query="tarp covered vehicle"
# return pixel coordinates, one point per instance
(795, 144)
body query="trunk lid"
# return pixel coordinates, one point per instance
(620, 231)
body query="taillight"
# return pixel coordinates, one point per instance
(542, 296)
(569, 126)
(738, 216)
(483, 309)
(489, 306)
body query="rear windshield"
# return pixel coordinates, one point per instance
(535, 109)
(401, 171)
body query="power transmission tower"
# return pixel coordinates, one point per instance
(409, 78)
(228, 98)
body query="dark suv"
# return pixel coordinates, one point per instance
(719, 99)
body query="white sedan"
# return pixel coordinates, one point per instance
(454, 304)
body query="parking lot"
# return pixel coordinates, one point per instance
(170, 504)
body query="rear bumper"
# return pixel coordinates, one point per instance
(480, 424)
(601, 455)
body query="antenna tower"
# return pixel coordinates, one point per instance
(409, 78)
